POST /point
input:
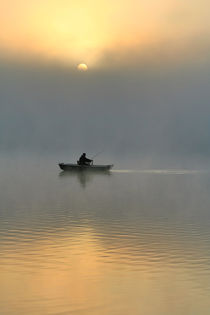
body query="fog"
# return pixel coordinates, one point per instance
(83, 241)
(147, 112)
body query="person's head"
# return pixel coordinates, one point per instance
(84, 154)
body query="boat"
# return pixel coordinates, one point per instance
(91, 167)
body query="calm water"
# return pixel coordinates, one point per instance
(132, 242)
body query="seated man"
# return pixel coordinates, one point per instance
(83, 160)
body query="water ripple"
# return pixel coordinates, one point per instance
(104, 248)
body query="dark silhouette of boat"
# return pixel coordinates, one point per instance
(91, 167)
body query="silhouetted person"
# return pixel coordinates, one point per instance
(83, 160)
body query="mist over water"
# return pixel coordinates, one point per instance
(132, 241)
(88, 243)
(151, 113)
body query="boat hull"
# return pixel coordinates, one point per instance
(76, 167)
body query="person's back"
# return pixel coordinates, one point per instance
(83, 160)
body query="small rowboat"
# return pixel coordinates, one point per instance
(76, 167)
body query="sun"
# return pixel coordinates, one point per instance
(82, 67)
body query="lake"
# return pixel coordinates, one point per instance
(128, 242)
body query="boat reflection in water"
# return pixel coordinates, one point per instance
(84, 177)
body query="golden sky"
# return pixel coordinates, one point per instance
(77, 31)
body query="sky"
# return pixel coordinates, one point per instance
(88, 30)
(146, 90)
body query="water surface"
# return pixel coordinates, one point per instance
(128, 242)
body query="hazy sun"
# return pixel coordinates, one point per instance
(82, 67)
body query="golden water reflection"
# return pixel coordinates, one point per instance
(80, 272)
(126, 244)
